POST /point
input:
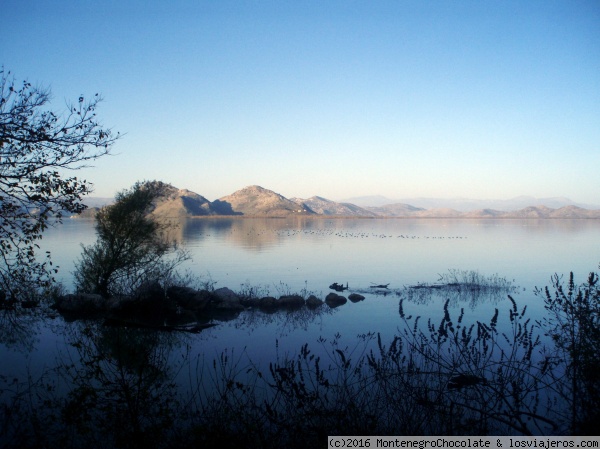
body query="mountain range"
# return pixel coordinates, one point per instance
(469, 204)
(256, 201)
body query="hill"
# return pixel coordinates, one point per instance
(323, 206)
(258, 201)
(179, 203)
(469, 205)
(395, 210)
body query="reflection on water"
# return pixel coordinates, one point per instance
(137, 377)
(318, 252)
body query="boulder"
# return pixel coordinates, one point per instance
(290, 301)
(313, 302)
(150, 290)
(226, 299)
(180, 294)
(191, 299)
(83, 303)
(250, 302)
(267, 303)
(355, 297)
(334, 300)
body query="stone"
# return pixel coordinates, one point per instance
(150, 290)
(82, 303)
(312, 302)
(226, 299)
(334, 300)
(190, 299)
(267, 302)
(355, 297)
(250, 302)
(290, 301)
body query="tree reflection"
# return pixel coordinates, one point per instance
(121, 382)
(18, 331)
(112, 387)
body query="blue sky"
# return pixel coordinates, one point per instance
(481, 99)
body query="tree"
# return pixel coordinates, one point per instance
(131, 245)
(37, 148)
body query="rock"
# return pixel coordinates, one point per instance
(180, 294)
(226, 293)
(267, 303)
(334, 300)
(191, 299)
(290, 301)
(83, 303)
(313, 302)
(250, 302)
(355, 297)
(227, 299)
(150, 290)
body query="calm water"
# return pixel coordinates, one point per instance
(278, 256)
(314, 253)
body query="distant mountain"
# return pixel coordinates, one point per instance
(258, 201)
(467, 205)
(323, 206)
(444, 212)
(548, 212)
(541, 212)
(395, 210)
(369, 201)
(179, 203)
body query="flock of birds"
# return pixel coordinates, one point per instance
(336, 233)
(357, 235)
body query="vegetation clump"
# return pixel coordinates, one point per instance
(461, 286)
(131, 248)
(441, 377)
(37, 148)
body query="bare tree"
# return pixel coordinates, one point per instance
(37, 148)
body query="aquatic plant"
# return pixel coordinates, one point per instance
(468, 286)
(573, 324)
(442, 375)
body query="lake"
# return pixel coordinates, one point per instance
(281, 256)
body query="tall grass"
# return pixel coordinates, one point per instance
(435, 377)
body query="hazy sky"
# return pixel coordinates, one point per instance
(481, 99)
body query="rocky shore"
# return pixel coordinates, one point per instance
(180, 308)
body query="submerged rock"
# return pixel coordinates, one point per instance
(227, 299)
(313, 302)
(267, 303)
(83, 304)
(334, 300)
(355, 297)
(191, 299)
(290, 301)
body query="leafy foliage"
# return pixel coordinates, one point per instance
(131, 245)
(36, 147)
